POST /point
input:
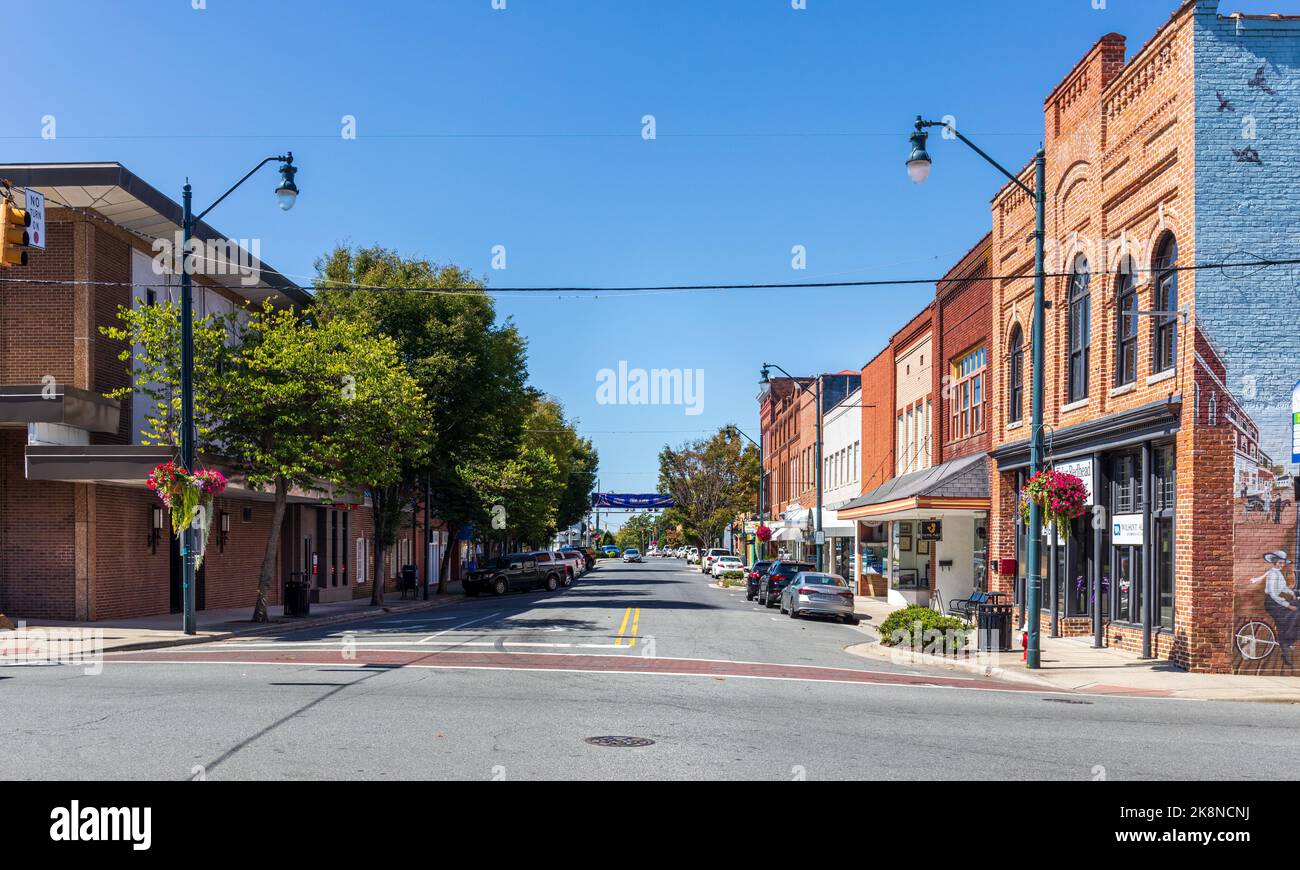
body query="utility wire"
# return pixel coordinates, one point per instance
(648, 289)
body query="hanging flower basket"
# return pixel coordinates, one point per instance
(183, 492)
(1060, 498)
(764, 533)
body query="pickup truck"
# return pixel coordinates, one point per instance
(513, 573)
(574, 564)
(587, 553)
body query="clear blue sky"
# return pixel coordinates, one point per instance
(776, 127)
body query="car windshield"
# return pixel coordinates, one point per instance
(631, 550)
(729, 559)
(822, 579)
(789, 569)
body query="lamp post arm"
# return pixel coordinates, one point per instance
(980, 151)
(283, 158)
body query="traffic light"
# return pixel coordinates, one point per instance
(14, 239)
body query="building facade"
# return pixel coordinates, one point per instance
(1168, 379)
(81, 536)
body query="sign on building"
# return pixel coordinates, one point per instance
(1295, 424)
(1127, 529)
(931, 530)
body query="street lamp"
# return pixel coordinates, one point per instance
(918, 168)
(817, 471)
(286, 195)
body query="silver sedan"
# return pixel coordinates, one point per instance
(812, 593)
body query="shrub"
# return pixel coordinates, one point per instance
(729, 577)
(933, 626)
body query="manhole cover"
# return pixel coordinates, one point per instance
(1066, 701)
(620, 741)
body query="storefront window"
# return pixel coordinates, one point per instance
(1165, 571)
(981, 553)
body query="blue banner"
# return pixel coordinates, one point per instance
(630, 501)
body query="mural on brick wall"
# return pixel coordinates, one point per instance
(1247, 118)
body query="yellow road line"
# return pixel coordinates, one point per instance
(636, 620)
(627, 614)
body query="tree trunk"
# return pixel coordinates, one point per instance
(272, 550)
(445, 568)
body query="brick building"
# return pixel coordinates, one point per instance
(81, 537)
(922, 516)
(1160, 369)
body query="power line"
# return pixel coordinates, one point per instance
(663, 288)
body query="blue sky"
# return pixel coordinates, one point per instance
(520, 127)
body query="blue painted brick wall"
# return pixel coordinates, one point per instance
(1247, 209)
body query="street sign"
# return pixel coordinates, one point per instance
(36, 208)
(931, 530)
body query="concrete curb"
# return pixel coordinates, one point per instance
(874, 650)
(290, 624)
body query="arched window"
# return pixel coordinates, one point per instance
(1164, 337)
(1126, 325)
(1079, 338)
(1016, 376)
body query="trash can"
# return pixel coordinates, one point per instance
(993, 623)
(297, 595)
(409, 584)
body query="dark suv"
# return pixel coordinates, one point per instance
(754, 575)
(513, 573)
(778, 575)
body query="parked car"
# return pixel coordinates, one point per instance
(610, 551)
(706, 562)
(773, 583)
(574, 565)
(513, 573)
(816, 594)
(587, 553)
(692, 555)
(753, 575)
(631, 554)
(723, 564)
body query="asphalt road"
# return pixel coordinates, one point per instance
(511, 688)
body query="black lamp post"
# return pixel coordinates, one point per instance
(286, 195)
(817, 471)
(738, 431)
(918, 168)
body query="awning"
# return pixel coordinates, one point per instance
(58, 403)
(786, 533)
(960, 484)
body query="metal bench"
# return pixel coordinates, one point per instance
(965, 607)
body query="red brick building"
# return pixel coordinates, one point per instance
(81, 537)
(922, 517)
(1149, 362)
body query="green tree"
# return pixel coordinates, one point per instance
(286, 402)
(636, 531)
(305, 403)
(471, 370)
(711, 480)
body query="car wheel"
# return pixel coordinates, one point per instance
(568, 579)
(794, 614)
(552, 583)
(749, 596)
(500, 586)
(780, 604)
(851, 620)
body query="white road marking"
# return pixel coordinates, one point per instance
(387, 644)
(462, 625)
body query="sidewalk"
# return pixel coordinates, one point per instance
(164, 630)
(1072, 665)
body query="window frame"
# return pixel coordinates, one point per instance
(1126, 326)
(1078, 343)
(1016, 376)
(1164, 297)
